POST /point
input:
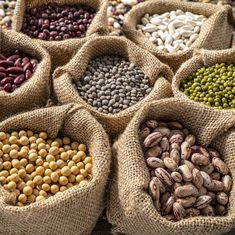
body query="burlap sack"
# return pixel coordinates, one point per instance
(34, 92)
(62, 51)
(76, 210)
(159, 74)
(130, 209)
(216, 32)
(201, 58)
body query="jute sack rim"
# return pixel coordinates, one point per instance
(129, 27)
(139, 186)
(68, 73)
(68, 110)
(98, 5)
(197, 61)
(24, 43)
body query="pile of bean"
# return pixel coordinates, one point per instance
(173, 31)
(6, 12)
(186, 179)
(117, 9)
(57, 22)
(214, 86)
(111, 84)
(15, 69)
(34, 167)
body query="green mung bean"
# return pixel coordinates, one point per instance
(214, 86)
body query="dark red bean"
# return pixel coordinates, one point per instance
(15, 70)
(19, 80)
(34, 62)
(57, 18)
(7, 87)
(18, 62)
(2, 70)
(6, 64)
(13, 75)
(13, 58)
(6, 80)
(2, 75)
(28, 74)
(28, 66)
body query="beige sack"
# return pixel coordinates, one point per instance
(130, 209)
(76, 210)
(34, 92)
(201, 58)
(62, 51)
(159, 75)
(216, 32)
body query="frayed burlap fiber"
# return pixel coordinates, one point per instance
(130, 208)
(35, 91)
(76, 210)
(216, 32)
(201, 58)
(62, 51)
(158, 73)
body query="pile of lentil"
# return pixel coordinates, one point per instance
(6, 12)
(34, 167)
(15, 69)
(214, 86)
(111, 84)
(57, 22)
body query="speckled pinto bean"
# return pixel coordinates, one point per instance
(186, 179)
(15, 69)
(57, 22)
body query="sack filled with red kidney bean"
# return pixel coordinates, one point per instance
(15, 68)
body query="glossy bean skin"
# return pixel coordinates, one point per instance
(15, 68)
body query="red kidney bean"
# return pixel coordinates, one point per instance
(2, 75)
(13, 58)
(2, 70)
(7, 87)
(6, 80)
(18, 62)
(28, 74)
(6, 64)
(27, 66)
(15, 70)
(34, 62)
(19, 80)
(55, 22)
(13, 75)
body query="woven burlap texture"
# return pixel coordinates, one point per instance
(34, 92)
(76, 210)
(62, 51)
(201, 58)
(158, 73)
(216, 32)
(130, 208)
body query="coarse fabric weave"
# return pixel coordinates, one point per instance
(215, 34)
(158, 73)
(76, 210)
(62, 51)
(34, 92)
(201, 58)
(130, 208)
